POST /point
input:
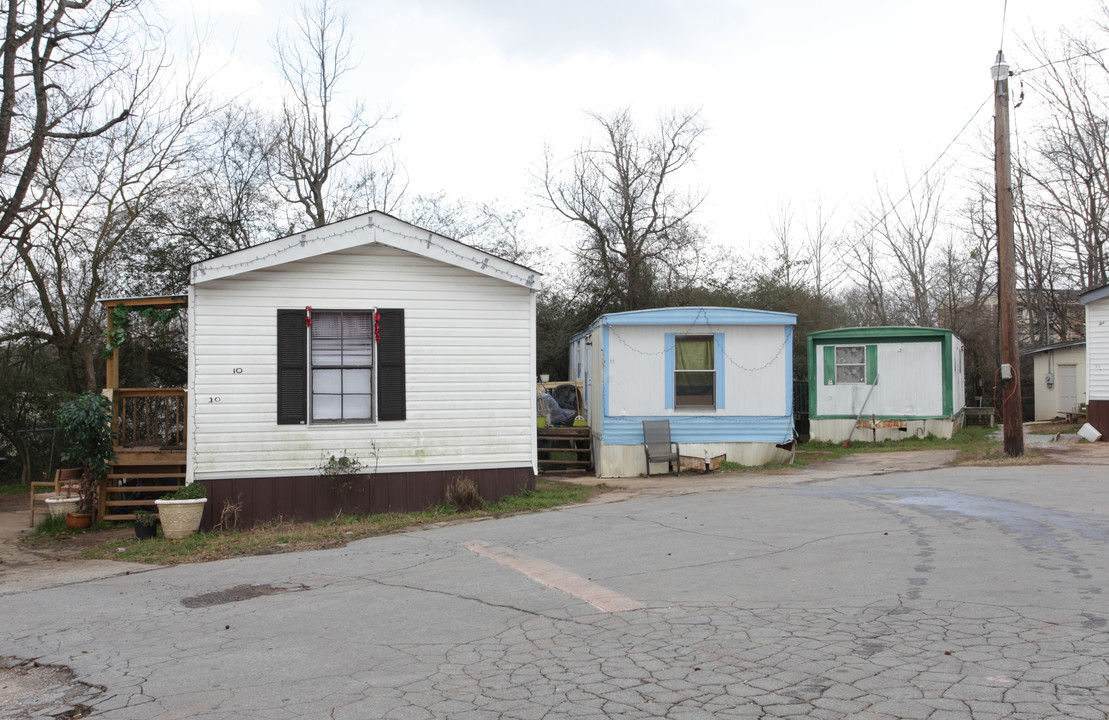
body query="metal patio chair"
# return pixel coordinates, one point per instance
(658, 447)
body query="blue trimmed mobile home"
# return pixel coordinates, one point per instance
(723, 377)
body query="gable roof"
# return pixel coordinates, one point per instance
(371, 228)
(1098, 293)
(1065, 344)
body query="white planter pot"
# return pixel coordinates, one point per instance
(180, 518)
(60, 507)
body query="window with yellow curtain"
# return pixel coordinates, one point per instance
(694, 371)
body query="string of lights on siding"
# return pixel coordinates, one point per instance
(695, 328)
(485, 264)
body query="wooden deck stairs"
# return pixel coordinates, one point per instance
(565, 449)
(138, 478)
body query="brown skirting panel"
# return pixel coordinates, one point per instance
(311, 497)
(1097, 414)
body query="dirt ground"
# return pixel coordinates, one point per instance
(26, 566)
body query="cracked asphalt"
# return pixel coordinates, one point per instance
(874, 589)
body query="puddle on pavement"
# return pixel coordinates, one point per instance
(235, 594)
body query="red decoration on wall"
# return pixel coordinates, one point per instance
(377, 326)
(308, 316)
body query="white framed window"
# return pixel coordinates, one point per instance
(342, 365)
(694, 371)
(851, 365)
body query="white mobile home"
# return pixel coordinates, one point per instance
(1058, 378)
(1096, 302)
(722, 377)
(369, 337)
(884, 383)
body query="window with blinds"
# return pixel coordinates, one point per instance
(342, 358)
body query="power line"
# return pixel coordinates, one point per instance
(1089, 53)
(1004, 12)
(930, 167)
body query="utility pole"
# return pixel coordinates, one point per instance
(1011, 411)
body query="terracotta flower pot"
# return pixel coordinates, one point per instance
(78, 521)
(180, 518)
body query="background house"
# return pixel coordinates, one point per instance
(721, 376)
(895, 382)
(369, 337)
(1096, 302)
(1059, 378)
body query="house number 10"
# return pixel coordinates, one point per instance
(236, 371)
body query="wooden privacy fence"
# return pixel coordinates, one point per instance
(149, 417)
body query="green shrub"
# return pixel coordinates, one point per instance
(85, 424)
(194, 491)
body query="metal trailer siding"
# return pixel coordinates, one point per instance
(919, 374)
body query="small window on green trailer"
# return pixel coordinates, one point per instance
(850, 364)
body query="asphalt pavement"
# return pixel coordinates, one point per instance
(875, 592)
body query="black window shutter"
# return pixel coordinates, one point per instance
(292, 368)
(390, 366)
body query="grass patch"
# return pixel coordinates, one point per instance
(1053, 428)
(973, 442)
(995, 456)
(52, 526)
(15, 489)
(729, 466)
(282, 537)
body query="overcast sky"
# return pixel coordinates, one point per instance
(803, 100)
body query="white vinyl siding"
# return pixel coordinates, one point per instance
(1097, 349)
(469, 359)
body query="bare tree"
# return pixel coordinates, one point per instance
(489, 226)
(894, 250)
(329, 163)
(68, 74)
(228, 204)
(1070, 156)
(805, 253)
(94, 196)
(636, 227)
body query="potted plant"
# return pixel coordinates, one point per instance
(85, 424)
(146, 524)
(180, 512)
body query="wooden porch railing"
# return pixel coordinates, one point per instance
(149, 417)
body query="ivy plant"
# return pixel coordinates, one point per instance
(120, 324)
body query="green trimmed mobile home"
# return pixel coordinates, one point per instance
(884, 383)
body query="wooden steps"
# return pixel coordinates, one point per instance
(139, 476)
(558, 444)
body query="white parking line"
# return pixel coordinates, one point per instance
(556, 577)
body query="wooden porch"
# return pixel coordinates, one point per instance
(149, 428)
